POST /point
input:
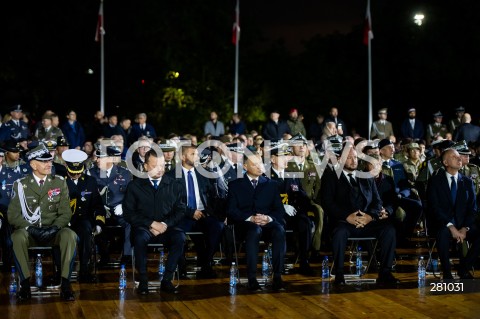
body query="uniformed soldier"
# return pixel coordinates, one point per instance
(456, 122)
(296, 204)
(382, 128)
(16, 128)
(402, 155)
(468, 169)
(12, 158)
(86, 205)
(57, 168)
(233, 159)
(436, 129)
(47, 131)
(143, 145)
(7, 178)
(168, 148)
(62, 146)
(39, 213)
(412, 165)
(112, 181)
(303, 162)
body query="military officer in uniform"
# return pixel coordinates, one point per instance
(168, 148)
(7, 178)
(412, 165)
(112, 181)
(57, 168)
(62, 146)
(16, 128)
(13, 160)
(468, 169)
(303, 162)
(47, 131)
(296, 204)
(39, 213)
(382, 128)
(86, 205)
(436, 129)
(457, 121)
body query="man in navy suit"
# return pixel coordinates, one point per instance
(16, 128)
(355, 207)
(199, 214)
(154, 206)
(412, 127)
(254, 205)
(141, 128)
(275, 127)
(453, 207)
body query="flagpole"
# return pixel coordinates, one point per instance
(370, 103)
(237, 45)
(102, 63)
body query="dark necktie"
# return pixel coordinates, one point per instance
(155, 183)
(169, 166)
(41, 183)
(254, 183)
(192, 202)
(352, 180)
(301, 167)
(453, 189)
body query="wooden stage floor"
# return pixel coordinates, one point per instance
(305, 297)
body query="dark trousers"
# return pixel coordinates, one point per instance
(303, 225)
(6, 244)
(444, 238)
(207, 244)
(384, 231)
(83, 228)
(273, 232)
(413, 209)
(174, 241)
(102, 240)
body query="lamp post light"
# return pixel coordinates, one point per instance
(418, 19)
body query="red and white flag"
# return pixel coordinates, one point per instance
(236, 25)
(367, 32)
(100, 30)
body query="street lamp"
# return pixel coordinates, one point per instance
(418, 19)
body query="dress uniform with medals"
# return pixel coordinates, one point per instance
(86, 205)
(295, 202)
(469, 170)
(14, 129)
(39, 213)
(112, 181)
(311, 184)
(7, 178)
(12, 158)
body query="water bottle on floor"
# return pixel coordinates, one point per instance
(325, 269)
(265, 267)
(12, 288)
(38, 271)
(421, 272)
(359, 263)
(161, 265)
(233, 275)
(122, 281)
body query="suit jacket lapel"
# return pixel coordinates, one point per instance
(446, 188)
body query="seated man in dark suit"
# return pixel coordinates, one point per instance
(453, 208)
(254, 204)
(354, 206)
(198, 191)
(154, 206)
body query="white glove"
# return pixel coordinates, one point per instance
(290, 210)
(97, 230)
(118, 210)
(107, 212)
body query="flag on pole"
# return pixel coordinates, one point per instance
(367, 32)
(100, 30)
(236, 25)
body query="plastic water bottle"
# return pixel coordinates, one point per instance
(421, 272)
(270, 252)
(359, 263)
(233, 275)
(38, 271)
(161, 265)
(265, 267)
(12, 288)
(325, 269)
(122, 282)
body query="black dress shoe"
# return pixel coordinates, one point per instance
(24, 294)
(278, 284)
(142, 288)
(86, 277)
(67, 294)
(167, 286)
(447, 276)
(339, 280)
(465, 275)
(306, 270)
(253, 284)
(387, 279)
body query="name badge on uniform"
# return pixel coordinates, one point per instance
(83, 195)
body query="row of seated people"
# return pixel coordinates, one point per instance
(155, 208)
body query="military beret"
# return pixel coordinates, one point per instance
(384, 143)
